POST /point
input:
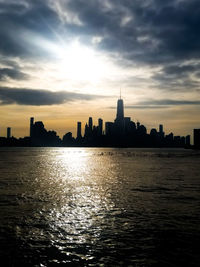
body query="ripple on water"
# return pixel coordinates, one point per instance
(99, 207)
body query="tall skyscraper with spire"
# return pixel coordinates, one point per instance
(120, 110)
(119, 121)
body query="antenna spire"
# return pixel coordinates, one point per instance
(120, 94)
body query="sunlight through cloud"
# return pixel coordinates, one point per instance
(76, 61)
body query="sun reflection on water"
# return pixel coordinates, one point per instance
(79, 203)
(75, 164)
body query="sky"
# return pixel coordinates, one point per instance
(65, 60)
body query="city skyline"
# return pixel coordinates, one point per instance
(80, 125)
(62, 60)
(120, 116)
(122, 132)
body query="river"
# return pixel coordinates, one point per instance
(99, 207)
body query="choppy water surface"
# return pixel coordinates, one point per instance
(99, 207)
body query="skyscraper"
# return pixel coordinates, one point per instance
(197, 138)
(79, 129)
(187, 140)
(8, 132)
(90, 124)
(160, 128)
(86, 130)
(161, 133)
(109, 128)
(31, 126)
(100, 126)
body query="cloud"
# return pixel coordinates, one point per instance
(170, 102)
(162, 103)
(32, 97)
(145, 31)
(147, 107)
(21, 19)
(164, 34)
(154, 32)
(178, 77)
(15, 74)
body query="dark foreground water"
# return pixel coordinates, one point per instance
(99, 207)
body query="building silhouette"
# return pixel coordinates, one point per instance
(90, 123)
(9, 132)
(79, 130)
(31, 126)
(68, 140)
(39, 136)
(187, 141)
(161, 132)
(100, 126)
(109, 126)
(196, 138)
(119, 123)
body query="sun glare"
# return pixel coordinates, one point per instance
(76, 61)
(82, 63)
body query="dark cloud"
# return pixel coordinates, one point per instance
(178, 77)
(170, 102)
(180, 70)
(147, 107)
(21, 19)
(162, 103)
(156, 31)
(153, 32)
(15, 74)
(147, 31)
(34, 97)
(160, 33)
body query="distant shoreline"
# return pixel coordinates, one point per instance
(191, 147)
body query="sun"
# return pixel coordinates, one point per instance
(81, 62)
(75, 65)
(76, 61)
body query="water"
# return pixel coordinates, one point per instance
(99, 207)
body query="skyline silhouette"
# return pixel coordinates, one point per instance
(123, 132)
